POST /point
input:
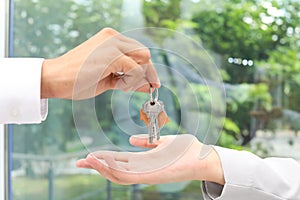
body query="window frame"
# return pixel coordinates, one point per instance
(4, 129)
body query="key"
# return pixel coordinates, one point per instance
(152, 110)
(154, 116)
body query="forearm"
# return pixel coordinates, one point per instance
(247, 175)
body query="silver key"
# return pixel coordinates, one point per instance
(152, 109)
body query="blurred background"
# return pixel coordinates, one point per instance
(254, 45)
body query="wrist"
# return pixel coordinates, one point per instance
(49, 78)
(210, 168)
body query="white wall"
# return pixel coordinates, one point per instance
(3, 20)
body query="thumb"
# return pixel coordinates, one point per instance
(141, 140)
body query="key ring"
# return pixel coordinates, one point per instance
(151, 94)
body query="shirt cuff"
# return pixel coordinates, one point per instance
(20, 91)
(231, 192)
(44, 109)
(238, 168)
(211, 190)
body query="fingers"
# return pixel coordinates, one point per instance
(136, 51)
(121, 54)
(150, 79)
(96, 40)
(142, 86)
(118, 156)
(151, 75)
(102, 168)
(106, 159)
(141, 55)
(109, 168)
(106, 33)
(136, 77)
(141, 141)
(133, 74)
(129, 66)
(82, 163)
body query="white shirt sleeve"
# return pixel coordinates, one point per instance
(249, 177)
(20, 91)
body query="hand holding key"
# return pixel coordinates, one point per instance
(106, 61)
(154, 115)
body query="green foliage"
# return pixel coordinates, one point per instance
(164, 14)
(158, 13)
(93, 187)
(260, 93)
(36, 34)
(241, 99)
(266, 32)
(50, 137)
(250, 30)
(251, 23)
(161, 14)
(71, 22)
(230, 135)
(65, 187)
(282, 69)
(230, 126)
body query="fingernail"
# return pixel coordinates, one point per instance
(140, 136)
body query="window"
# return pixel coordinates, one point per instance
(44, 156)
(248, 50)
(4, 172)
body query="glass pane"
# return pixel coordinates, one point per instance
(44, 155)
(201, 49)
